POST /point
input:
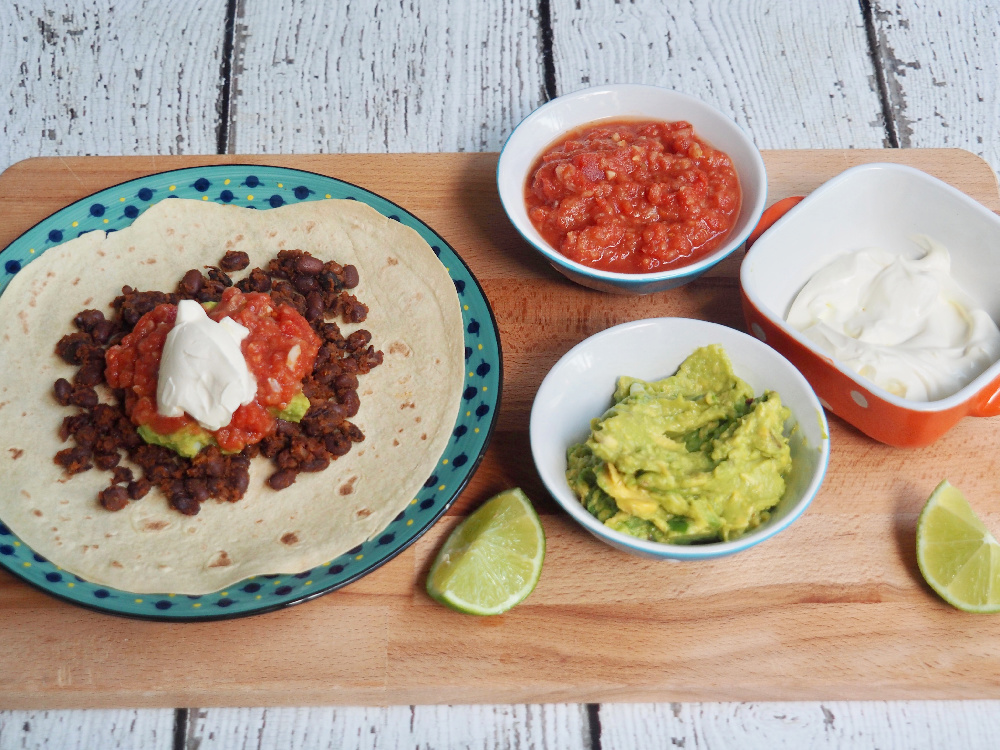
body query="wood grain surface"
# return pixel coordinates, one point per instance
(834, 608)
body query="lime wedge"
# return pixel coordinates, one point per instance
(492, 560)
(957, 554)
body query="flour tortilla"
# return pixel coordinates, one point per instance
(408, 404)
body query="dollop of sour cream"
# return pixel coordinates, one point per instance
(901, 322)
(202, 369)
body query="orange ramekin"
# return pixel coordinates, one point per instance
(881, 205)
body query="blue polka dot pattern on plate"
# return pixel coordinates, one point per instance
(227, 184)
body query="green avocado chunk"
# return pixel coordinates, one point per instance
(296, 408)
(691, 458)
(187, 441)
(190, 439)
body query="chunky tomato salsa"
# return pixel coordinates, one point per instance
(280, 351)
(634, 197)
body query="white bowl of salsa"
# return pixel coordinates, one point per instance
(629, 188)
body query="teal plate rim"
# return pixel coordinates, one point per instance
(116, 207)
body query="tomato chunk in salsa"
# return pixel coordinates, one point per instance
(280, 351)
(633, 197)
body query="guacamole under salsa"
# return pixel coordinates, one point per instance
(691, 458)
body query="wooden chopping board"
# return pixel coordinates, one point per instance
(833, 608)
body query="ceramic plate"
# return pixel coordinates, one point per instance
(265, 188)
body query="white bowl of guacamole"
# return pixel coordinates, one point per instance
(680, 439)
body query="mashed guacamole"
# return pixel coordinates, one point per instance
(691, 458)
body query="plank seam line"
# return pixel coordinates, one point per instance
(888, 121)
(226, 73)
(180, 728)
(594, 724)
(548, 61)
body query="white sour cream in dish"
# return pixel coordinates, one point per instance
(202, 369)
(901, 322)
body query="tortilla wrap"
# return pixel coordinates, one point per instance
(408, 404)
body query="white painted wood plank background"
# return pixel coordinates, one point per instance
(119, 729)
(377, 77)
(549, 727)
(109, 78)
(418, 75)
(901, 725)
(942, 66)
(792, 74)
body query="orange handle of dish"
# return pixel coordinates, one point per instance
(771, 215)
(990, 407)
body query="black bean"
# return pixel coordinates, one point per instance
(139, 488)
(358, 340)
(85, 398)
(306, 284)
(63, 391)
(197, 489)
(107, 461)
(191, 283)
(90, 373)
(103, 331)
(87, 319)
(239, 481)
(350, 276)
(337, 444)
(309, 265)
(347, 381)
(315, 464)
(314, 306)
(186, 505)
(350, 401)
(279, 480)
(72, 346)
(219, 277)
(113, 498)
(234, 260)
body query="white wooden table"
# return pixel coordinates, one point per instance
(287, 76)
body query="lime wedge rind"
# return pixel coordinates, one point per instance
(957, 555)
(492, 560)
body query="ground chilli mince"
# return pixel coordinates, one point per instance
(633, 197)
(292, 346)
